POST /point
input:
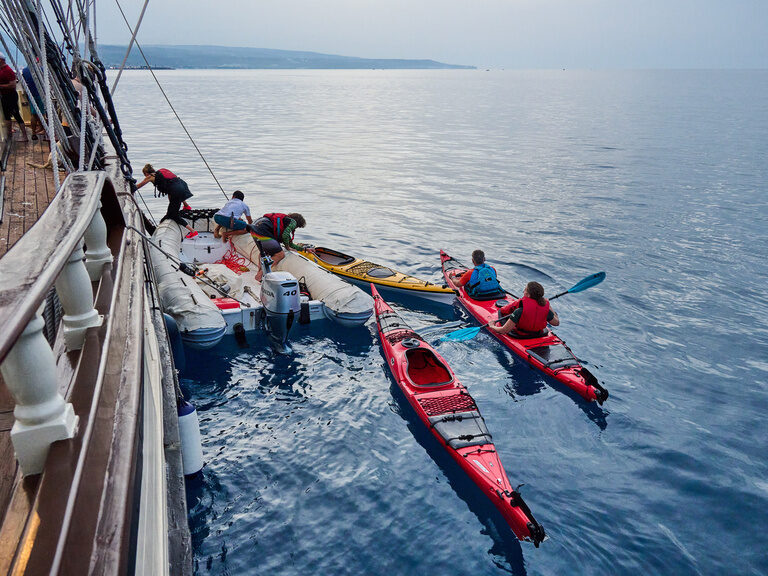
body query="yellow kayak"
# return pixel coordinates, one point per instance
(367, 273)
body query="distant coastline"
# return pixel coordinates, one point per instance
(145, 67)
(230, 58)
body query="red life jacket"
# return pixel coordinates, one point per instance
(279, 222)
(167, 174)
(534, 316)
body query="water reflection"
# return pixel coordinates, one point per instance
(505, 545)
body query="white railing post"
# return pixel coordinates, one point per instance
(97, 253)
(76, 295)
(42, 416)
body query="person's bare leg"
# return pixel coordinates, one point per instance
(23, 128)
(275, 259)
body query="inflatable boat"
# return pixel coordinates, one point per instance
(343, 303)
(199, 321)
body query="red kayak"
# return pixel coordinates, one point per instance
(446, 408)
(548, 353)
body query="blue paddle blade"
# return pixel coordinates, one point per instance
(588, 282)
(462, 335)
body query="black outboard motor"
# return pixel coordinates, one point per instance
(282, 303)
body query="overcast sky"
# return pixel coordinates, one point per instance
(485, 33)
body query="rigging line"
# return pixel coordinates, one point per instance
(151, 71)
(48, 101)
(130, 45)
(147, 207)
(84, 103)
(27, 35)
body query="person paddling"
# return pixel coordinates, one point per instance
(273, 229)
(481, 281)
(530, 314)
(167, 183)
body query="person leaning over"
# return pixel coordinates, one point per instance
(272, 230)
(167, 183)
(530, 314)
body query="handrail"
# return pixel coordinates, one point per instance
(30, 268)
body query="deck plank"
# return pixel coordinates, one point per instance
(28, 191)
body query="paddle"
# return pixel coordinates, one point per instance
(469, 333)
(587, 282)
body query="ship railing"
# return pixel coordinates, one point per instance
(77, 433)
(50, 254)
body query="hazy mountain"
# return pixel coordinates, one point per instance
(229, 57)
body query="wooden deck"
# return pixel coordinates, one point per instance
(28, 191)
(86, 507)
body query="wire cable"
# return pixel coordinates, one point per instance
(171, 105)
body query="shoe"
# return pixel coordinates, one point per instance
(34, 136)
(191, 234)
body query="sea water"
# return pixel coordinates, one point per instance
(315, 463)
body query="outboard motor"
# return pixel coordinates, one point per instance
(280, 297)
(281, 300)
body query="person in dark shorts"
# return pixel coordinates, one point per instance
(10, 99)
(273, 229)
(530, 314)
(167, 183)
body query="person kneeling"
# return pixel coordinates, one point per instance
(530, 314)
(229, 216)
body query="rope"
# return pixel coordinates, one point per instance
(233, 260)
(149, 67)
(83, 119)
(130, 45)
(48, 101)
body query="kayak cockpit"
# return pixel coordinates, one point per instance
(553, 356)
(333, 257)
(425, 369)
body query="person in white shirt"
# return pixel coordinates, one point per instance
(229, 216)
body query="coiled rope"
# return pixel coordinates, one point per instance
(233, 260)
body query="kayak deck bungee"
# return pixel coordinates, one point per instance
(364, 272)
(548, 354)
(447, 409)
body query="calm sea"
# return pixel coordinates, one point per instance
(315, 464)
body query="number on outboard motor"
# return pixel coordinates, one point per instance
(280, 297)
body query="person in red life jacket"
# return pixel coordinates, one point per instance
(10, 99)
(167, 183)
(273, 229)
(530, 314)
(481, 281)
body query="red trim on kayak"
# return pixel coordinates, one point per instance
(445, 406)
(564, 367)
